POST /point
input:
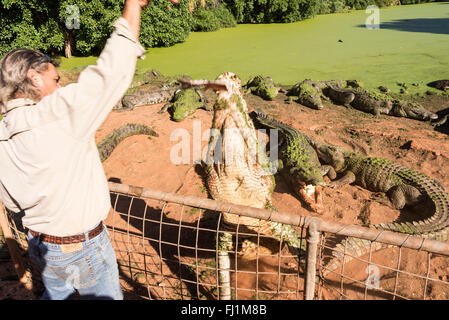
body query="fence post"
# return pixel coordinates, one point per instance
(22, 273)
(224, 266)
(312, 245)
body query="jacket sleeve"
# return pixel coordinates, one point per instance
(88, 102)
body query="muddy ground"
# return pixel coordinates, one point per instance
(144, 161)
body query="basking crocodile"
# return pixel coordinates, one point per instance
(340, 96)
(263, 87)
(142, 97)
(184, 103)
(108, 144)
(311, 93)
(402, 185)
(299, 164)
(351, 93)
(439, 84)
(379, 103)
(145, 78)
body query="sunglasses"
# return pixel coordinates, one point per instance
(42, 60)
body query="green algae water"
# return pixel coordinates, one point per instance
(411, 46)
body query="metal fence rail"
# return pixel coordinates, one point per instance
(166, 246)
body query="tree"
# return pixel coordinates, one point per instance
(29, 24)
(269, 11)
(164, 24)
(83, 26)
(87, 24)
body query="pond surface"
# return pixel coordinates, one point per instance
(411, 45)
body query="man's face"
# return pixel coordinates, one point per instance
(46, 81)
(50, 80)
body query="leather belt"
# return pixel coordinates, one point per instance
(69, 239)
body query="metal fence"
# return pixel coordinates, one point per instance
(166, 247)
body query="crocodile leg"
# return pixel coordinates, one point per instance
(329, 171)
(165, 108)
(402, 195)
(348, 178)
(440, 122)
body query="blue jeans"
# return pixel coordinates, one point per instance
(92, 270)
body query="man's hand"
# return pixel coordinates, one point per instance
(145, 3)
(131, 13)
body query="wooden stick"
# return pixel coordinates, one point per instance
(24, 276)
(217, 85)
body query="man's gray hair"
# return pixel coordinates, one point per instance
(13, 75)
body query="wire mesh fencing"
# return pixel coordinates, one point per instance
(170, 246)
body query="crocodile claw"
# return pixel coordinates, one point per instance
(312, 195)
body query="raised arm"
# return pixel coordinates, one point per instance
(88, 102)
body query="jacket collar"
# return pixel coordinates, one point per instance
(12, 124)
(19, 102)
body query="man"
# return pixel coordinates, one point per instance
(49, 164)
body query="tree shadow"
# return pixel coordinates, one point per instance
(421, 25)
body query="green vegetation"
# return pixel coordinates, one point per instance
(310, 49)
(213, 19)
(164, 24)
(287, 52)
(81, 27)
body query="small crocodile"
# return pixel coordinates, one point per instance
(340, 96)
(108, 144)
(184, 103)
(142, 97)
(402, 185)
(439, 84)
(309, 94)
(145, 78)
(263, 87)
(299, 165)
(367, 101)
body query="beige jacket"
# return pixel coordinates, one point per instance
(49, 162)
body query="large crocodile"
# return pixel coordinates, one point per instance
(238, 171)
(309, 93)
(383, 103)
(299, 163)
(237, 168)
(402, 185)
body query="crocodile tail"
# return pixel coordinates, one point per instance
(354, 248)
(263, 119)
(108, 144)
(434, 190)
(349, 249)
